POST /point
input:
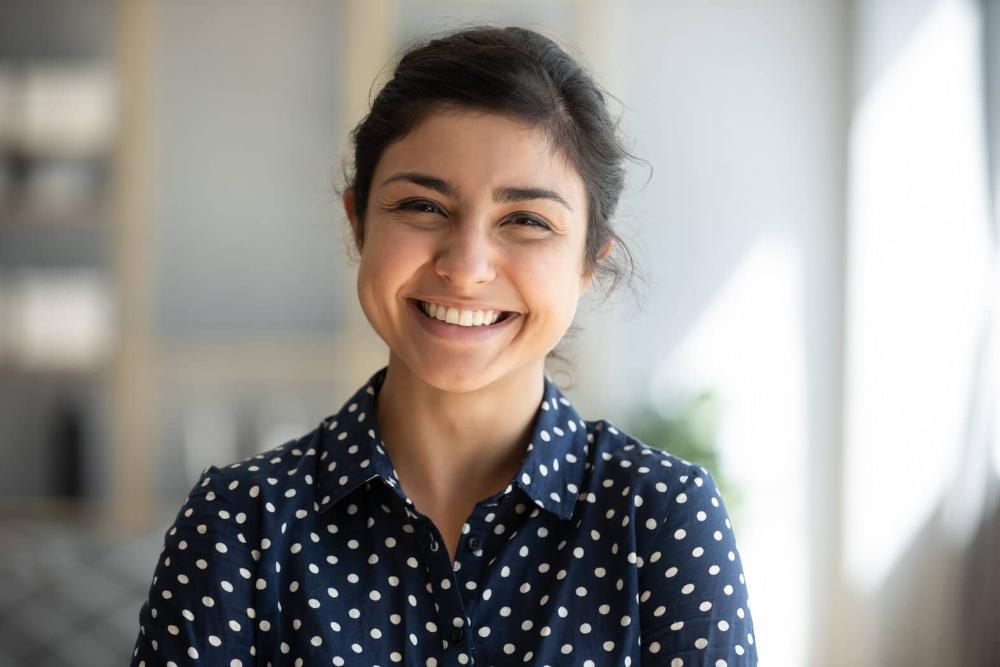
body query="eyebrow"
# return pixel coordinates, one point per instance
(501, 195)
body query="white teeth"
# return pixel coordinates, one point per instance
(464, 318)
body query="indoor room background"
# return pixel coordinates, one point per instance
(815, 212)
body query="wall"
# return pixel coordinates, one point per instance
(741, 109)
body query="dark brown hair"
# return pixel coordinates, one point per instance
(518, 73)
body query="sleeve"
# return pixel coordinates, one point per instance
(695, 608)
(200, 604)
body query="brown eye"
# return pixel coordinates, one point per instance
(419, 206)
(530, 221)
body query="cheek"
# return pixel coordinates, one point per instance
(389, 258)
(549, 285)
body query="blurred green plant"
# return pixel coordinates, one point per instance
(688, 432)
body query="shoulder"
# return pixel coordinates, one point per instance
(660, 488)
(621, 458)
(278, 462)
(243, 485)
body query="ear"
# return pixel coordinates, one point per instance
(588, 278)
(604, 251)
(352, 218)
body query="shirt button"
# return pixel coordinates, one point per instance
(475, 542)
(456, 634)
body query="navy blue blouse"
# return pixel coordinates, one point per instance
(601, 551)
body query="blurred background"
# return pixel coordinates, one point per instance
(821, 330)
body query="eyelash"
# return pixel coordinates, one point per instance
(415, 204)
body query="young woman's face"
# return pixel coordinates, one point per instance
(472, 207)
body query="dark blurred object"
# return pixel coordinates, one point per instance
(56, 28)
(67, 447)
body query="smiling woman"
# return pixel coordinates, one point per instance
(474, 211)
(457, 506)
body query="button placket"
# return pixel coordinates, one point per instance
(448, 599)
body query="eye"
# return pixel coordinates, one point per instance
(419, 206)
(426, 206)
(530, 221)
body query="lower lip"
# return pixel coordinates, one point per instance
(457, 332)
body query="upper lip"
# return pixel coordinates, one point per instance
(462, 304)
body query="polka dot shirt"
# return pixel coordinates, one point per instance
(601, 551)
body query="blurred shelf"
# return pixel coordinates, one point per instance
(48, 508)
(56, 241)
(93, 221)
(14, 155)
(62, 63)
(57, 29)
(12, 372)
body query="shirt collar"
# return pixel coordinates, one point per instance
(352, 452)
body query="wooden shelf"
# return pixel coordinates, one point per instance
(90, 221)
(47, 508)
(10, 371)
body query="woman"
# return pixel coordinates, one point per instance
(457, 509)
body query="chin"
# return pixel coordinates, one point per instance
(454, 377)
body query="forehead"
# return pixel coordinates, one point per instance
(478, 151)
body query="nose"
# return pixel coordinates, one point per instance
(467, 256)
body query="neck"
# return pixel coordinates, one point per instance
(452, 447)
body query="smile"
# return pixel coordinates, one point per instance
(463, 318)
(456, 330)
